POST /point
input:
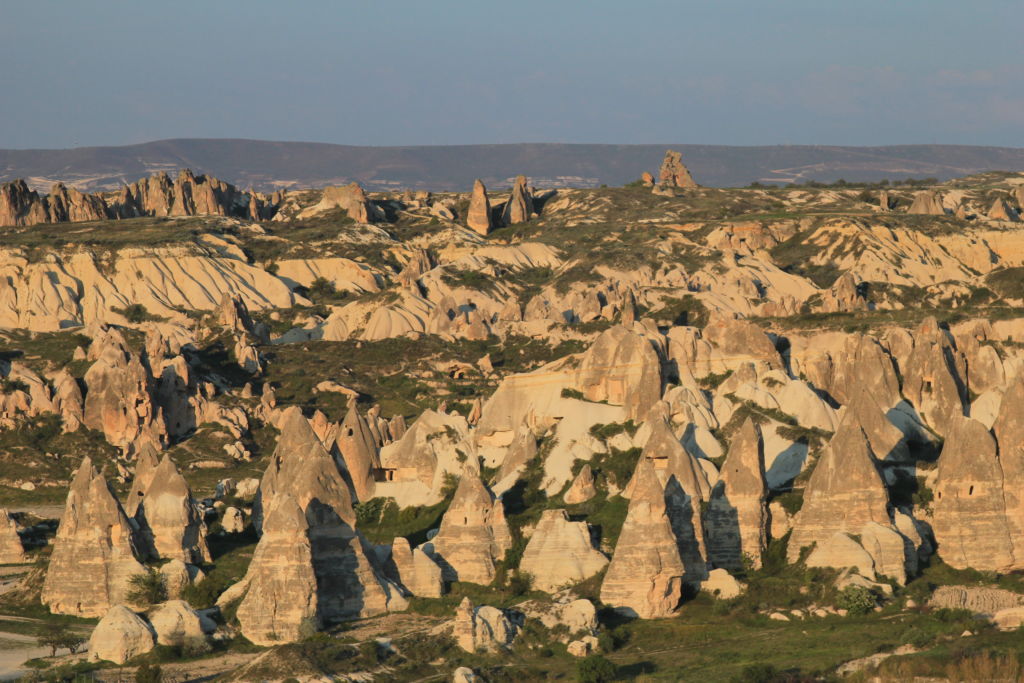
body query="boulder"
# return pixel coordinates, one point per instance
(233, 520)
(582, 488)
(176, 623)
(722, 585)
(120, 636)
(178, 575)
(420, 575)
(483, 628)
(560, 553)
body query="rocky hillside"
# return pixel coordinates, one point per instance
(657, 429)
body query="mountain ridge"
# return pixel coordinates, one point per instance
(269, 165)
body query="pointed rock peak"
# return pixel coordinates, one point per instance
(84, 476)
(479, 216)
(286, 517)
(471, 492)
(746, 453)
(297, 436)
(673, 172)
(647, 487)
(168, 480)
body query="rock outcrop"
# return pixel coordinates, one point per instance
(420, 575)
(582, 488)
(479, 216)
(844, 493)
(146, 461)
(970, 520)
(927, 202)
(673, 172)
(358, 448)
(120, 636)
(645, 577)
(473, 534)
(519, 207)
(281, 603)
(94, 552)
(737, 515)
(11, 549)
(169, 520)
(351, 199)
(481, 628)
(119, 402)
(560, 553)
(622, 368)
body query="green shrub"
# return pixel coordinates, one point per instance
(595, 669)
(856, 600)
(149, 588)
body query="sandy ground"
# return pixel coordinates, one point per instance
(15, 649)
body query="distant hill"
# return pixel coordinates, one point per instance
(271, 165)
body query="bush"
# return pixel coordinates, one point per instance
(148, 673)
(147, 589)
(595, 669)
(758, 673)
(136, 313)
(856, 600)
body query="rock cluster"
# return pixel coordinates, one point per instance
(157, 195)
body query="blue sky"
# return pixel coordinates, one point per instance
(450, 71)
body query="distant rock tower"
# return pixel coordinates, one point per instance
(674, 173)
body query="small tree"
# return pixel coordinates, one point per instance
(58, 637)
(147, 589)
(595, 669)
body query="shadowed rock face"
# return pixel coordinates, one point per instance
(560, 553)
(971, 524)
(420, 575)
(845, 491)
(94, 553)
(474, 534)
(645, 577)
(1009, 430)
(168, 518)
(479, 216)
(737, 515)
